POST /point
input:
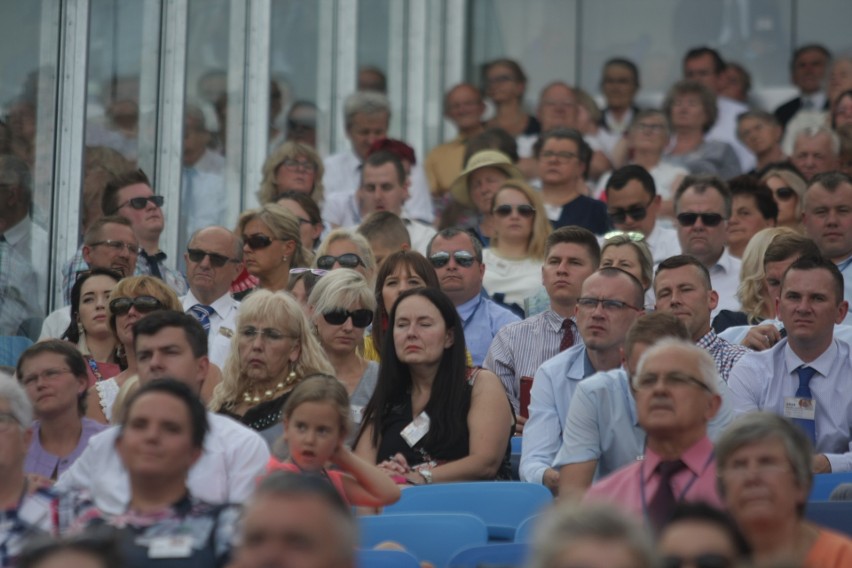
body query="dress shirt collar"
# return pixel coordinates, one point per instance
(707, 340)
(821, 364)
(353, 162)
(221, 306)
(18, 232)
(817, 100)
(554, 320)
(696, 458)
(724, 264)
(467, 309)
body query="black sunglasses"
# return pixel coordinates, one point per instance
(216, 260)
(525, 211)
(441, 259)
(144, 304)
(619, 216)
(707, 219)
(709, 560)
(142, 202)
(784, 193)
(348, 260)
(360, 318)
(258, 241)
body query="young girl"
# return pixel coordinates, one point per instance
(316, 422)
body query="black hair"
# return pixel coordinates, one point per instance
(381, 158)
(622, 176)
(624, 62)
(153, 323)
(72, 333)
(194, 407)
(746, 185)
(818, 263)
(809, 47)
(680, 260)
(704, 513)
(109, 200)
(696, 52)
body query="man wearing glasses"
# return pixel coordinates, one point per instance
(702, 209)
(214, 258)
(457, 258)
(609, 303)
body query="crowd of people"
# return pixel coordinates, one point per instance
(655, 300)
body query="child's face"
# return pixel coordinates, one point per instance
(313, 434)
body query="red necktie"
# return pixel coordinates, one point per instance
(567, 335)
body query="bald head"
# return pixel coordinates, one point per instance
(213, 261)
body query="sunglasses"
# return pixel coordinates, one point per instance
(707, 219)
(525, 211)
(463, 258)
(315, 271)
(784, 193)
(619, 216)
(216, 260)
(143, 304)
(142, 202)
(701, 561)
(348, 260)
(360, 318)
(258, 241)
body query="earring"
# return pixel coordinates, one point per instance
(80, 331)
(284, 258)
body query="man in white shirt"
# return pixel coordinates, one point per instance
(173, 345)
(702, 208)
(214, 258)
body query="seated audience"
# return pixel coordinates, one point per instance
(752, 208)
(307, 212)
(386, 234)
(788, 189)
(293, 166)
(344, 248)
(703, 536)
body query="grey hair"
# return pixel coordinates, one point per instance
(238, 242)
(19, 403)
(365, 102)
(706, 365)
(814, 131)
(342, 288)
(564, 526)
(761, 426)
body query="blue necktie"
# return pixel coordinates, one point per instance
(202, 314)
(804, 391)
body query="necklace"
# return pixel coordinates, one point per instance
(269, 394)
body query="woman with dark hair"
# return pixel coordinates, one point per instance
(505, 83)
(431, 418)
(307, 212)
(89, 329)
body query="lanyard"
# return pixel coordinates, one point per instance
(680, 497)
(94, 367)
(473, 313)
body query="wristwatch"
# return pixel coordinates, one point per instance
(426, 474)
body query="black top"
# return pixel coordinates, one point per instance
(585, 212)
(727, 318)
(263, 415)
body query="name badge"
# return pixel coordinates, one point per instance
(356, 413)
(415, 431)
(174, 546)
(229, 333)
(798, 407)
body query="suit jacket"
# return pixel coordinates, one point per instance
(789, 109)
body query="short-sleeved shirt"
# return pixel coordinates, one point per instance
(51, 466)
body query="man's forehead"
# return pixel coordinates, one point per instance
(708, 196)
(462, 241)
(136, 190)
(220, 241)
(686, 274)
(164, 338)
(111, 230)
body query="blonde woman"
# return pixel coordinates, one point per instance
(788, 189)
(293, 166)
(344, 248)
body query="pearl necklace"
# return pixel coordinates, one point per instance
(269, 394)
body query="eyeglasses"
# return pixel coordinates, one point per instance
(648, 381)
(784, 193)
(266, 334)
(634, 236)
(47, 375)
(7, 420)
(360, 318)
(257, 241)
(560, 156)
(709, 560)
(707, 219)
(314, 271)
(525, 211)
(299, 165)
(143, 304)
(142, 202)
(216, 260)
(119, 246)
(462, 257)
(607, 304)
(348, 260)
(620, 215)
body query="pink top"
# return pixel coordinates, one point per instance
(334, 477)
(696, 482)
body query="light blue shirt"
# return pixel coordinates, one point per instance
(602, 423)
(482, 318)
(737, 333)
(553, 386)
(846, 270)
(761, 381)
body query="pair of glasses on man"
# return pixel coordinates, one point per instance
(360, 318)
(143, 304)
(619, 215)
(348, 260)
(216, 260)
(608, 305)
(142, 202)
(525, 211)
(707, 219)
(462, 258)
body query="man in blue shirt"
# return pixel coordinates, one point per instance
(457, 258)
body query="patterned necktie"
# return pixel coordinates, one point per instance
(567, 335)
(202, 314)
(662, 506)
(804, 392)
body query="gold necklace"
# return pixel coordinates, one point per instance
(269, 394)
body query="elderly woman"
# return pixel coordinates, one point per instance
(89, 329)
(516, 254)
(292, 167)
(691, 110)
(54, 375)
(423, 374)
(307, 212)
(272, 350)
(272, 245)
(131, 299)
(341, 307)
(343, 248)
(753, 209)
(788, 189)
(764, 475)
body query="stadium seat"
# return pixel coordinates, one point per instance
(386, 559)
(503, 554)
(11, 347)
(824, 484)
(835, 515)
(525, 530)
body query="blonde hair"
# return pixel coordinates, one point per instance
(341, 288)
(283, 225)
(794, 181)
(541, 228)
(364, 249)
(281, 310)
(643, 253)
(268, 192)
(135, 286)
(321, 388)
(751, 291)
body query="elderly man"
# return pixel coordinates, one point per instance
(702, 208)
(214, 259)
(807, 72)
(367, 121)
(610, 301)
(765, 478)
(676, 386)
(816, 150)
(761, 134)
(804, 376)
(174, 345)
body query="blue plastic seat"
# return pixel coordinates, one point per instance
(386, 559)
(11, 347)
(501, 504)
(517, 444)
(525, 530)
(434, 537)
(835, 515)
(824, 484)
(503, 554)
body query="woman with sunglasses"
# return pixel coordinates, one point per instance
(272, 245)
(130, 300)
(89, 329)
(341, 307)
(788, 189)
(343, 248)
(273, 349)
(516, 253)
(291, 167)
